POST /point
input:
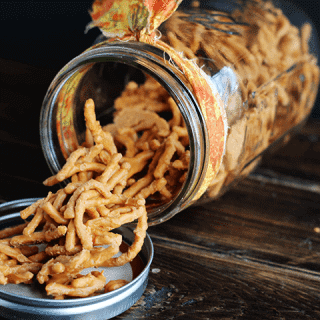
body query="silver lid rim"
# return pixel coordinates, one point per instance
(110, 304)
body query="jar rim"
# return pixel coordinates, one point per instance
(157, 64)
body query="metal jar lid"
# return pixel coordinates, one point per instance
(24, 301)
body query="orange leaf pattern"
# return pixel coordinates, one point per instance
(125, 19)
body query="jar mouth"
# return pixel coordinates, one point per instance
(101, 73)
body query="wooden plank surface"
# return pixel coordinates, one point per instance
(252, 254)
(253, 222)
(193, 282)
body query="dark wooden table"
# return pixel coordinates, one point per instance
(252, 254)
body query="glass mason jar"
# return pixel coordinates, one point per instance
(261, 68)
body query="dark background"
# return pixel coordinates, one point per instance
(36, 40)
(50, 33)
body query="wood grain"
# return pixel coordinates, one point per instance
(194, 282)
(254, 222)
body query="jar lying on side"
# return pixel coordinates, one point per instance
(261, 66)
(258, 65)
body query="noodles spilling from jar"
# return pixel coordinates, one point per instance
(140, 156)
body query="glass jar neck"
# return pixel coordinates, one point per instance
(156, 63)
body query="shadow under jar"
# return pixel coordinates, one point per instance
(262, 70)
